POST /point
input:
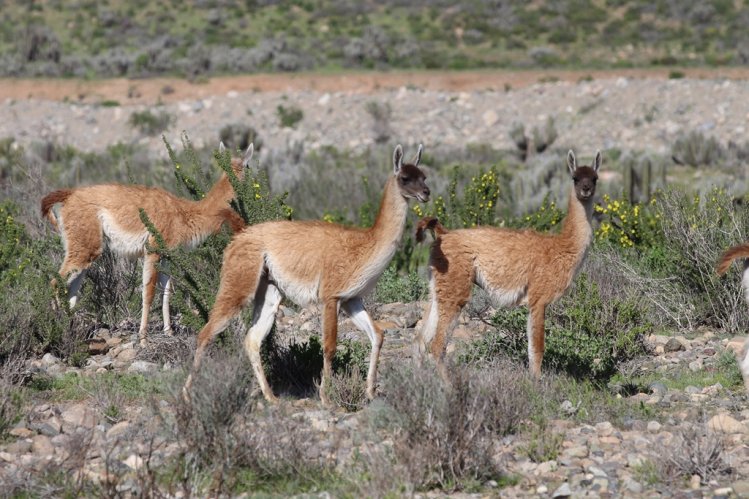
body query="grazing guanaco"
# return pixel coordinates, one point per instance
(92, 216)
(731, 254)
(516, 267)
(312, 262)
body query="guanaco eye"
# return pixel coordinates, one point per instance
(575, 179)
(406, 179)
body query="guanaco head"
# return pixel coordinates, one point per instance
(239, 165)
(410, 178)
(584, 177)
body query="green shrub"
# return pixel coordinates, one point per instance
(289, 116)
(695, 149)
(150, 123)
(393, 287)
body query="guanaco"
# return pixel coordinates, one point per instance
(516, 267)
(312, 262)
(92, 216)
(731, 254)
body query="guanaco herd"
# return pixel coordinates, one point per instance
(315, 262)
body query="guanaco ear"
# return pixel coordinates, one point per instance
(248, 155)
(221, 147)
(397, 159)
(417, 158)
(571, 162)
(597, 163)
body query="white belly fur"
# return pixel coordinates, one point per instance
(128, 244)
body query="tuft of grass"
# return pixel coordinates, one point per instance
(150, 123)
(289, 116)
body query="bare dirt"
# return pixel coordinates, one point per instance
(146, 91)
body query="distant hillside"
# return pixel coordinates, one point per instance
(99, 38)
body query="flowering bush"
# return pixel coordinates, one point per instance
(626, 225)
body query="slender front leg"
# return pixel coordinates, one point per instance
(536, 338)
(330, 340)
(75, 280)
(165, 282)
(359, 315)
(150, 277)
(267, 300)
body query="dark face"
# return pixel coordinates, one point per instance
(585, 179)
(412, 183)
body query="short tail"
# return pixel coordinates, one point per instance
(731, 254)
(430, 223)
(52, 199)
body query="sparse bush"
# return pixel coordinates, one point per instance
(543, 444)
(150, 123)
(381, 115)
(696, 149)
(348, 389)
(10, 403)
(444, 434)
(237, 136)
(696, 230)
(694, 451)
(289, 116)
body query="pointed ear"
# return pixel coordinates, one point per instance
(571, 162)
(597, 163)
(417, 158)
(248, 155)
(221, 147)
(397, 159)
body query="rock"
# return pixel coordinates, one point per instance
(737, 345)
(722, 492)
(632, 486)
(142, 366)
(42, 445)
(605, 428)
(577, 451)
(741, 488)
(118, 429)
(490, 117)
(76, 416)
(658, 388)
(21, 432)
(48, 359)
(98, 346)
(654, 426)
(126, 355)
(133, 462)
(19, 446)
(695, 482)
(673, 345)
(562, 491)
(691, 390)
(696, 365)
(724, 423)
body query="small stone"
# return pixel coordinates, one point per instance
(722, 492)
(605, 428)
(696, 365)
(741, 488)
(142, 366)
(41, 445)
(724, 423)
(21, 432)
(19, 446)
(48, 359)
(673, 345)
(76, 416)
(133, 462)
(118, 429)
(562, 491)
(632, 486)
(691, 390)
(492, 484)
(490, 117)
(126, 355)
(578, 451)
(695, 482)
(542, 489)
(654, 427)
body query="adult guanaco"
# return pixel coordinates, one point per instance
(517, 267)
(312, 262)
(92, 216)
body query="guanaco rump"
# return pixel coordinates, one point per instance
(731, 254)
(92, 216)
(516, 267)
(312, 262)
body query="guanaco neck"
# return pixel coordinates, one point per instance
(577, 224)
(391, 218)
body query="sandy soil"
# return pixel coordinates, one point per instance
(145, 91)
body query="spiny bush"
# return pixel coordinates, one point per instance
(697, 229)
(475, 205)
(444, 435)
(195, 289)
(627, 225)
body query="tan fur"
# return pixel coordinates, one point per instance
(731, 254)
(517, 267)
(91, 216)
(312, 262)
